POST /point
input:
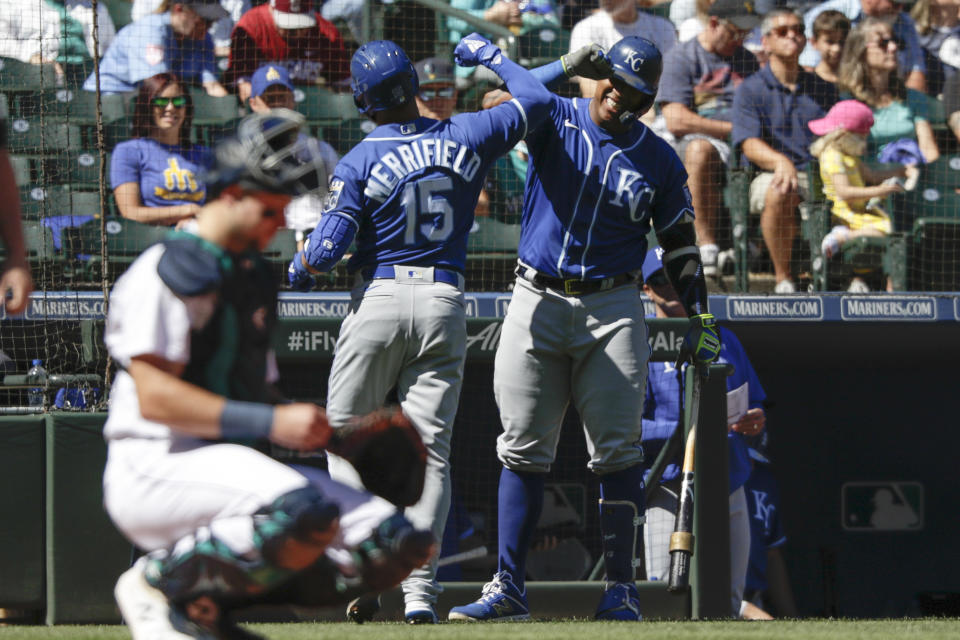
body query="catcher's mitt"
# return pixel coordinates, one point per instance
(387, 452)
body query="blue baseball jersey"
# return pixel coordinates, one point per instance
(411, 188)
(661, 409)
(166, 174)
(591, 197)
(766, 528)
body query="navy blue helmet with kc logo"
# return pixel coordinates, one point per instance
(382, 77)
(637, 62)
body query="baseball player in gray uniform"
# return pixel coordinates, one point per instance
(597, 181)
(407, 193)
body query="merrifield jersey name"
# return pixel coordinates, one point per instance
(395, 165)
(411, 188)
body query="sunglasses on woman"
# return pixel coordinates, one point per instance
(884, 43)
(178, 102)
(430, 94)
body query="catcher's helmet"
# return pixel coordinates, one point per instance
(638, 63)
(382, 77)
(266, 154)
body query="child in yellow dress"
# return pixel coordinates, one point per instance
(856, 211)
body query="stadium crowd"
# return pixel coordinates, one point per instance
(742, 80)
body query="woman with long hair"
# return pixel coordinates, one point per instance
(869, 73)
(155, 175)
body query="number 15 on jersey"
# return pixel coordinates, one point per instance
(427, 210)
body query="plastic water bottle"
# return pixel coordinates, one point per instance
(37, 375)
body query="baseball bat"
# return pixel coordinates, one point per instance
(463, 556)
(681, 540)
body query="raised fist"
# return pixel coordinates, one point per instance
(476, 49)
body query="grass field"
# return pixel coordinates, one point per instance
(907, 629)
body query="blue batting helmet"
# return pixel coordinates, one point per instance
(382, 77)
(638, 63)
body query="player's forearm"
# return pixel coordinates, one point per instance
(761, 154)
(550, 74)
(681, 121)
(683, 266)
(327, 243)
(167, 399)
(533, 96)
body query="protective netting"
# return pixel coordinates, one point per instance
(64, 137)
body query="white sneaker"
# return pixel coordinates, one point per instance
(858, 286)
(708, 256)
(785, 286)
(147, 611)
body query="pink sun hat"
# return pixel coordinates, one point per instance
(849, 115)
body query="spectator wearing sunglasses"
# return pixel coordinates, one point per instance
(868, 72)
(695, 97)
(438, 92)
(771, 110)
(913, 67)
(155, 175)
(271, 88)
(173, 40)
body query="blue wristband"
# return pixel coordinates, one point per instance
(245, 421)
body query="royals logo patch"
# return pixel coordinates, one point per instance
(333, 195)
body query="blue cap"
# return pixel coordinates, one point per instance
(266, 76)
(652, 263)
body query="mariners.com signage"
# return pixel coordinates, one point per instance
(89, 305)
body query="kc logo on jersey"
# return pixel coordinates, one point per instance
(635, 195)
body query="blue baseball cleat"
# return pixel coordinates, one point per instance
(620, 601)
(500, 601)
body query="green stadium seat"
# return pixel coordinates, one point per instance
(22, 168)
(323, 107)
(736, 197)
(935, 254)
(57, 200)
(345, 135)
(24, 76)
(125, 240)
(31, 135)
(78, 168)
(210, 110)
(73, 105)
(38, 241)
(120, 11)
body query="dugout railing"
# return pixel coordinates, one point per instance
(60, 555)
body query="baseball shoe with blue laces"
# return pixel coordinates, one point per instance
(500, 601)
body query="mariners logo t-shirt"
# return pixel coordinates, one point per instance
(167, 174)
